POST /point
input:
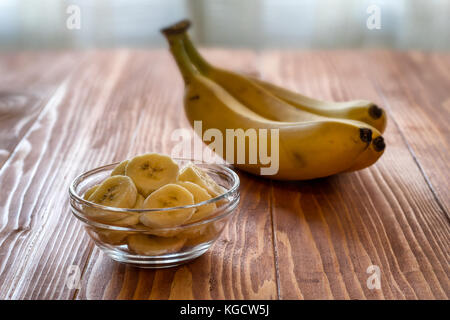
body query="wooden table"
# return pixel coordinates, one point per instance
(62, 113)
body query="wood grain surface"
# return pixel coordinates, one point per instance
(62, 113)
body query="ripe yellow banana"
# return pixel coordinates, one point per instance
(359, 110)
(260, 95)
(309, 149)
(277, 103)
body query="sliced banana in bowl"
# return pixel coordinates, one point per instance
(151, 171)
(198, 236)
(120, 169)
(200, 195)
(111, 237)
(195, 174)
(147, 212)
(90, 191)
(149, 245)
(139, 201)
(119, 192)
(169, 196)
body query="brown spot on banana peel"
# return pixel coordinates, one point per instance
(375, 112)
(299, 159)
(365, 134)
(379, 144)
(194, 97)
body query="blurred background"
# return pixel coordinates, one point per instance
(321, 24)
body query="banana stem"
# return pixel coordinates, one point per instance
(180, 30)
(174, 36)
(194, 55)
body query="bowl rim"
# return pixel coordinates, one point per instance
(78, 198)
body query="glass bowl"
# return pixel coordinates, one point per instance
(120, 235)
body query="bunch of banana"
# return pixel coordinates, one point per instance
(153, 181)
(316, 138)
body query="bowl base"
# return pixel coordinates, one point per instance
(157, 262)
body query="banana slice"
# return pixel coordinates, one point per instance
(120, 169)
(193, 232)
(113, 237)
(151, 171)
(170, 195)
(139, 201)
(200, 213)
(201, 235)
(116, 191)
(90, 191)
(153, 246)
(130, 220)
(165, 233)
(200, 195)
(196, 175)
(121, 219)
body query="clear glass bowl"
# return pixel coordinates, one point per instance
(122, 237)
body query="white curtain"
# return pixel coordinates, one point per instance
(420, 24)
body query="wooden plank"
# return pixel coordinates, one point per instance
(131, 105)
(27, 83)
(39, 239)
(240, 265)
(329, 231)
(419, 101)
